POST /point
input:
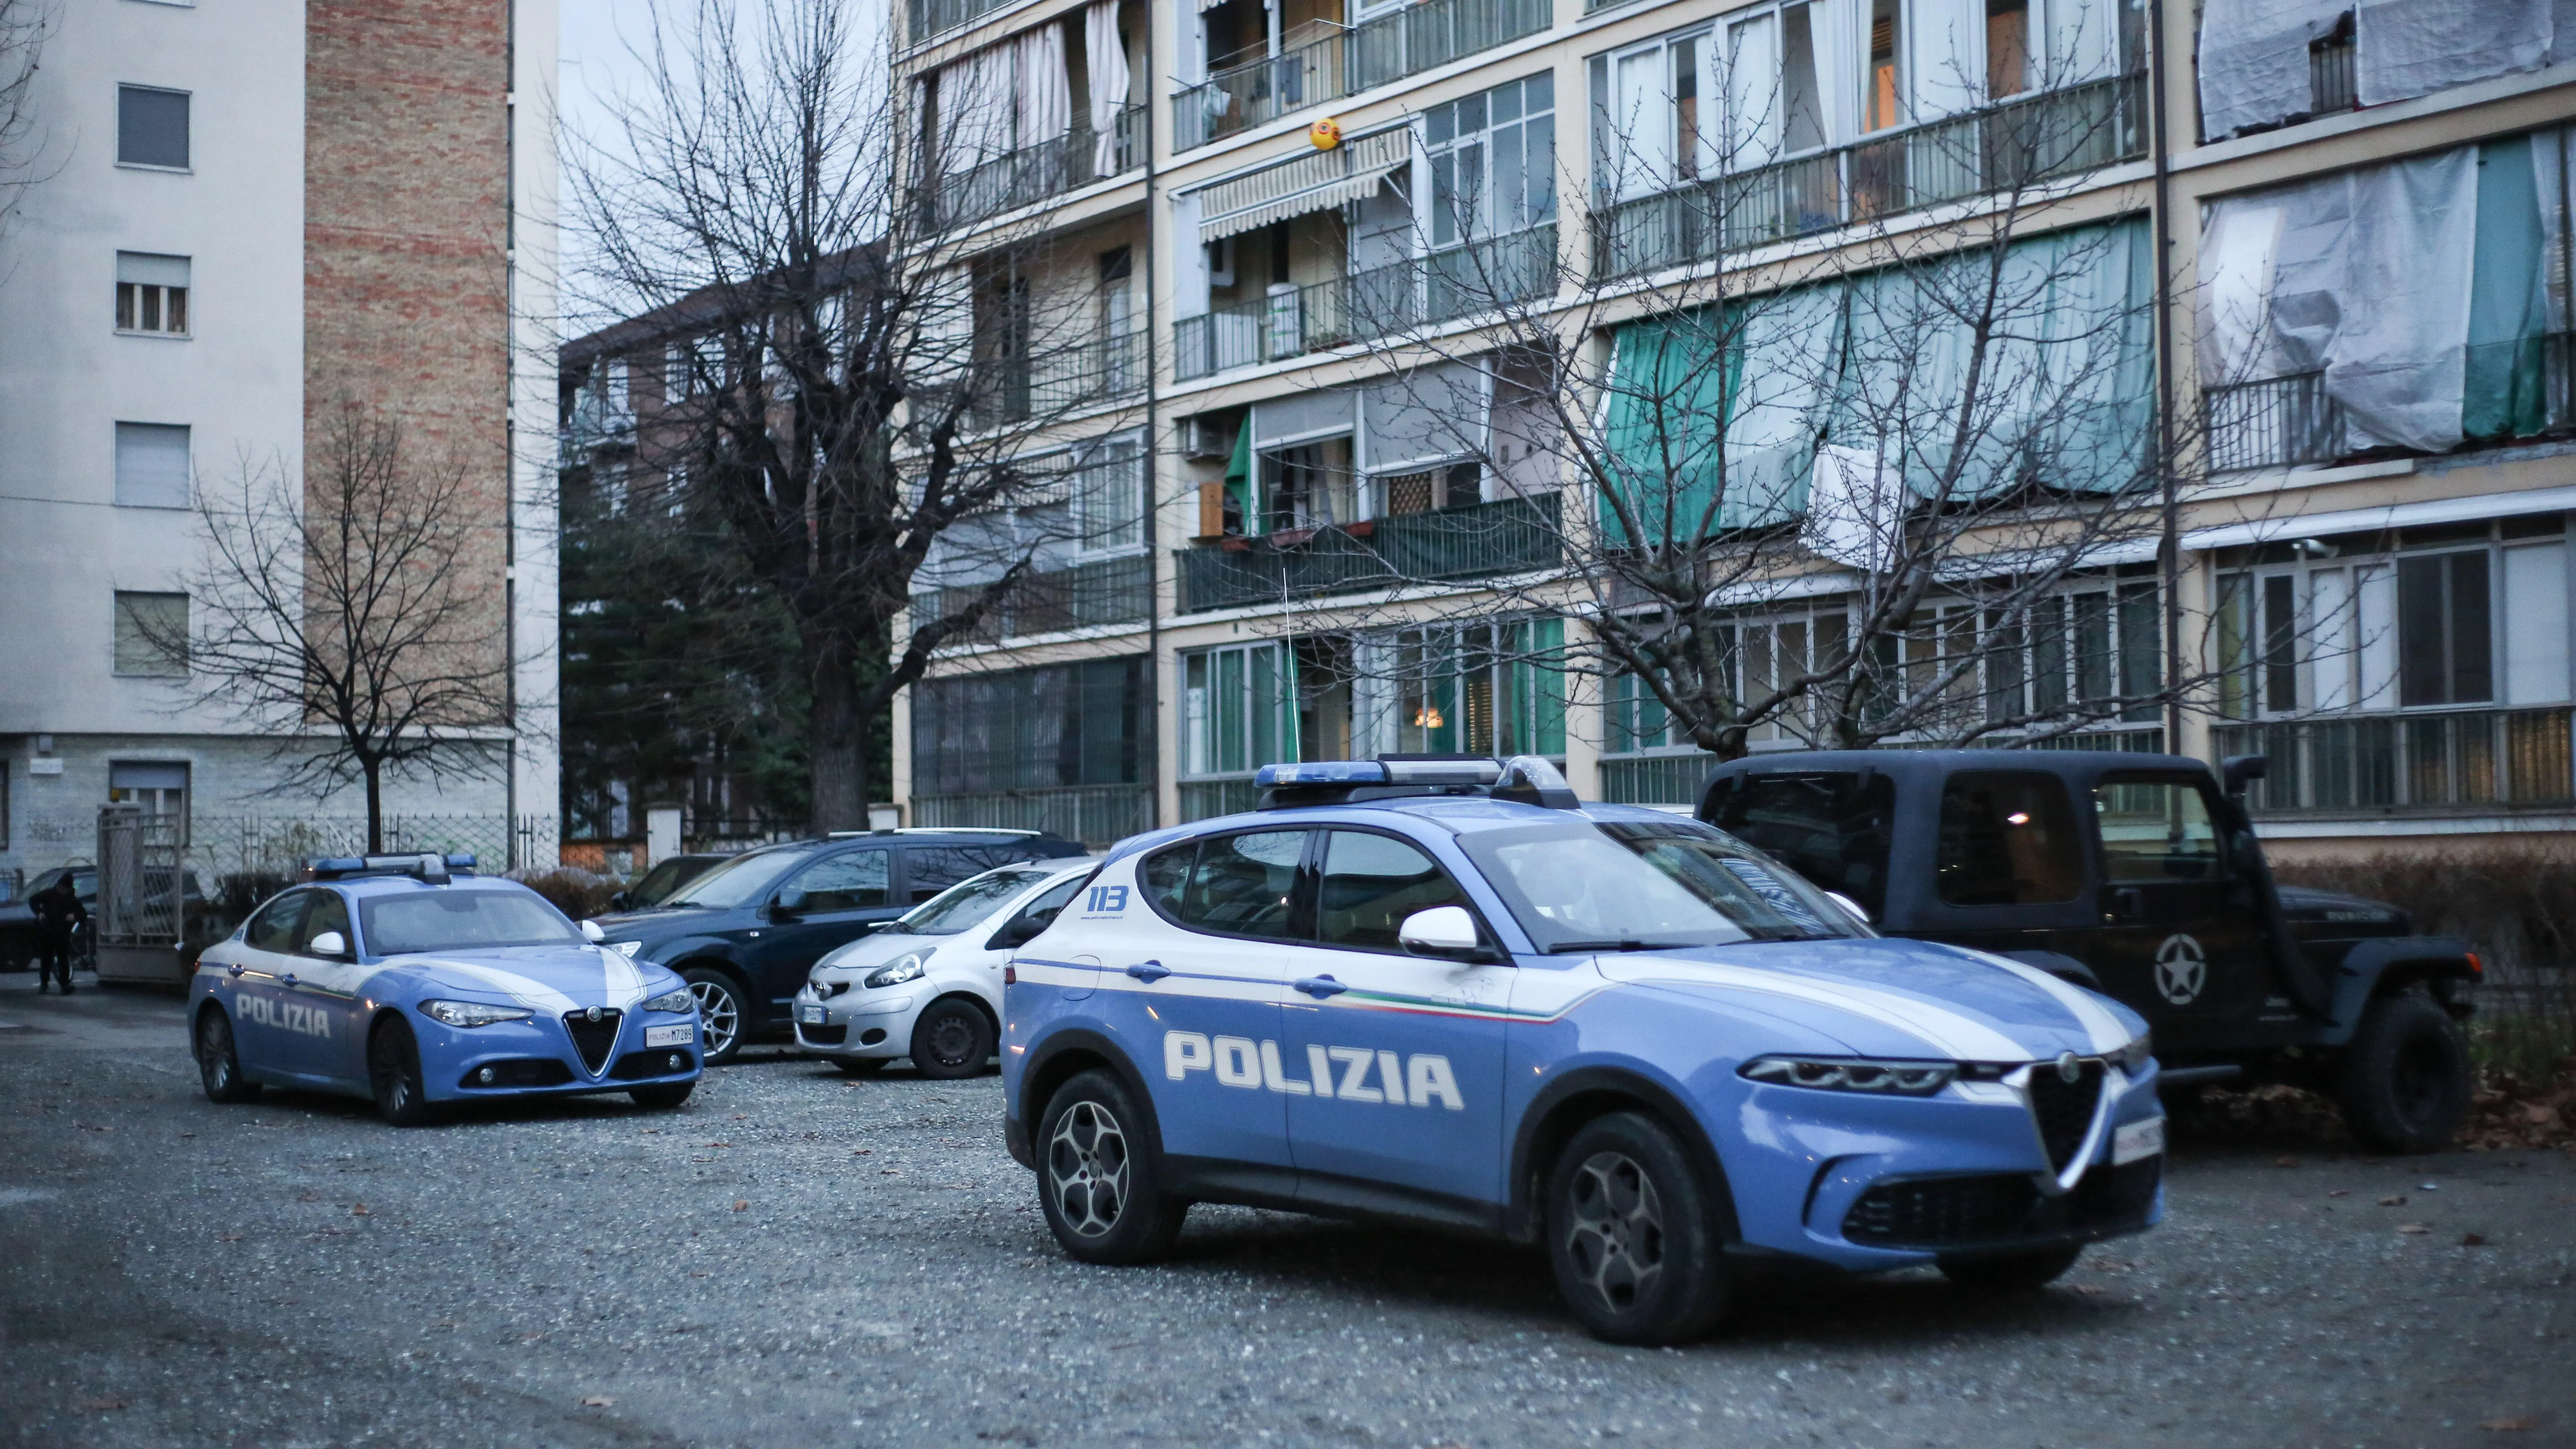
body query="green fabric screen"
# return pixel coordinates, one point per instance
(2505, 390)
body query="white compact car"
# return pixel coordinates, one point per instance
(929, 986)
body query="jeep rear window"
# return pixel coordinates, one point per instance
(2007, 839)
(1827, 826)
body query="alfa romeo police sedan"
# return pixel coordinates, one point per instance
(408, 979)
(1444, 990)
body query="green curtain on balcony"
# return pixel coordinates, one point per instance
(1711, 424)
(2504, 390)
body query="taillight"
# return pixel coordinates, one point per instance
(1011, 974)
(2477, 967)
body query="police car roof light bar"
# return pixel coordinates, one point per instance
(1528, 779)
(428, 867)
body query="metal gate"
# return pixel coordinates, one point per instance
(142, 903)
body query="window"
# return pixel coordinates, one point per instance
(2007, 47)
(1583, 886)
(273, 929)
(1109, 487)
(928, 870)
(152, 466)
(151, 293)
(2156, 830)
(1493, 161)
(327, 913)
(160, 788)
(2007, 839)
(1884, 102)
(1244, 885)
(2445, 647)
(1370, 884)
(1488, 689)
(853, 882)
(152, 634)
(1832, 828)
(461, 920)
(1234, 709)
(151, 127)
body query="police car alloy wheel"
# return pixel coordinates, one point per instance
(1630, 1234)
(719, 1012)
(393, 1069)
(218, 1066)
(1096, 1176)
(953, 1039)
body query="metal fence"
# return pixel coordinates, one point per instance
(1347, 62)
(1105, 591)
(1375, 303)
(1096, 815)
(2275, 423)
(2430, 761)
(1032, 174)
(2037, 138)
(1479, 540)
(279, 845)
(1051, 381)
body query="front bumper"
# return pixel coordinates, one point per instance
(539, 1057)
(1869, 1183)
(856, 1023)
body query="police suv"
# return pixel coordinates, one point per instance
(1443, 990)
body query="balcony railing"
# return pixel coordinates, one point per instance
(1347, 62)
(1033, 173)
(1479, 540)
(1087, 373)
(2036, 138)
(1105, 591)
(2275, 423)
(1375, 303)
(2332, 83)
(2413, 763)
(936, 17)
(1096, 815)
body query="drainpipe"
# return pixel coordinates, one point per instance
(1153, 451)
(2169, 547)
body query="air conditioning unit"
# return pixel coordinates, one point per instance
(1209, 436)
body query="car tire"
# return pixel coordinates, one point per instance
(2406, 1078)
(1096, 1180)
(1631, 1235)
(662, 1096)
(218, 1064)
(393, 1070)
(861, 1066)
(953, 1038)
(2012, 1272)
(724, 1015)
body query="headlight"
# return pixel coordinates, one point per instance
(471, 1013)
(2135, 1056)
(679, 1001)
(1845, 1074)
(626, 949)
(903, 969)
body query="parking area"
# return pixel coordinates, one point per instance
(801, 1258)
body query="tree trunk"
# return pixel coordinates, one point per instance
(836, 742)
(375, 775)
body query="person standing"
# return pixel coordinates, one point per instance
(58, 913)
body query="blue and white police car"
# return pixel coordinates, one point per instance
(1445, 991)
(408, 979)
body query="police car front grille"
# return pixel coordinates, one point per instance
(651, 1062)
(2064, 1109)
(2119, 1196)
(593, 1039)
(1941, 1212)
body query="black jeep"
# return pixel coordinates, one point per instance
(2136, 875)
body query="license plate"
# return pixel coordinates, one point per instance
(667, 1035)
(810, 1015)
(2137, 1140)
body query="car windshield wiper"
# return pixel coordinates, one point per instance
(1563, 947)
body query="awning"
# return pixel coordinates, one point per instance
(1312, 182)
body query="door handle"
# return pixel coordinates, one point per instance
(2131, 902)
(236, 970)
(1149, 972)
(1320, 987)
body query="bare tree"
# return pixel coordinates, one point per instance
(24, 26)
(1905, 485)
(341, 613)
(857, 346)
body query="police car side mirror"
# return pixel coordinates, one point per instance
(591, 932)
(329, 943)
(1441, 931)
(1850, 907)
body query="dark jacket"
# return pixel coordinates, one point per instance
(58, 911)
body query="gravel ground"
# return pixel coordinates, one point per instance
(797, 1258)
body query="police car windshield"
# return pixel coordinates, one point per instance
(960, 906)
(739, 881)
(454, 920)
(1632, 886)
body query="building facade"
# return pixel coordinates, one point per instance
(239, 219)
(2355, 357)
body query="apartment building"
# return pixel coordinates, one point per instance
(238, 218)
(2357, 350)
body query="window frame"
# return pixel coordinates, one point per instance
(116, 662)
(188, 134)
(1312, 880)
(1301, 897)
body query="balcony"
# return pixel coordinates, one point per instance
(2036, 138)
(1478, 540)
(2429, 763)
(1087, 595)
(2515, 390)
(1387, 48)
(1057, 381)
(1376, 303)
(2279, 422)
(1034, 173)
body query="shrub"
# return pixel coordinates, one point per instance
(576, 893)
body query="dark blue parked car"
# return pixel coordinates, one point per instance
(745, 934)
